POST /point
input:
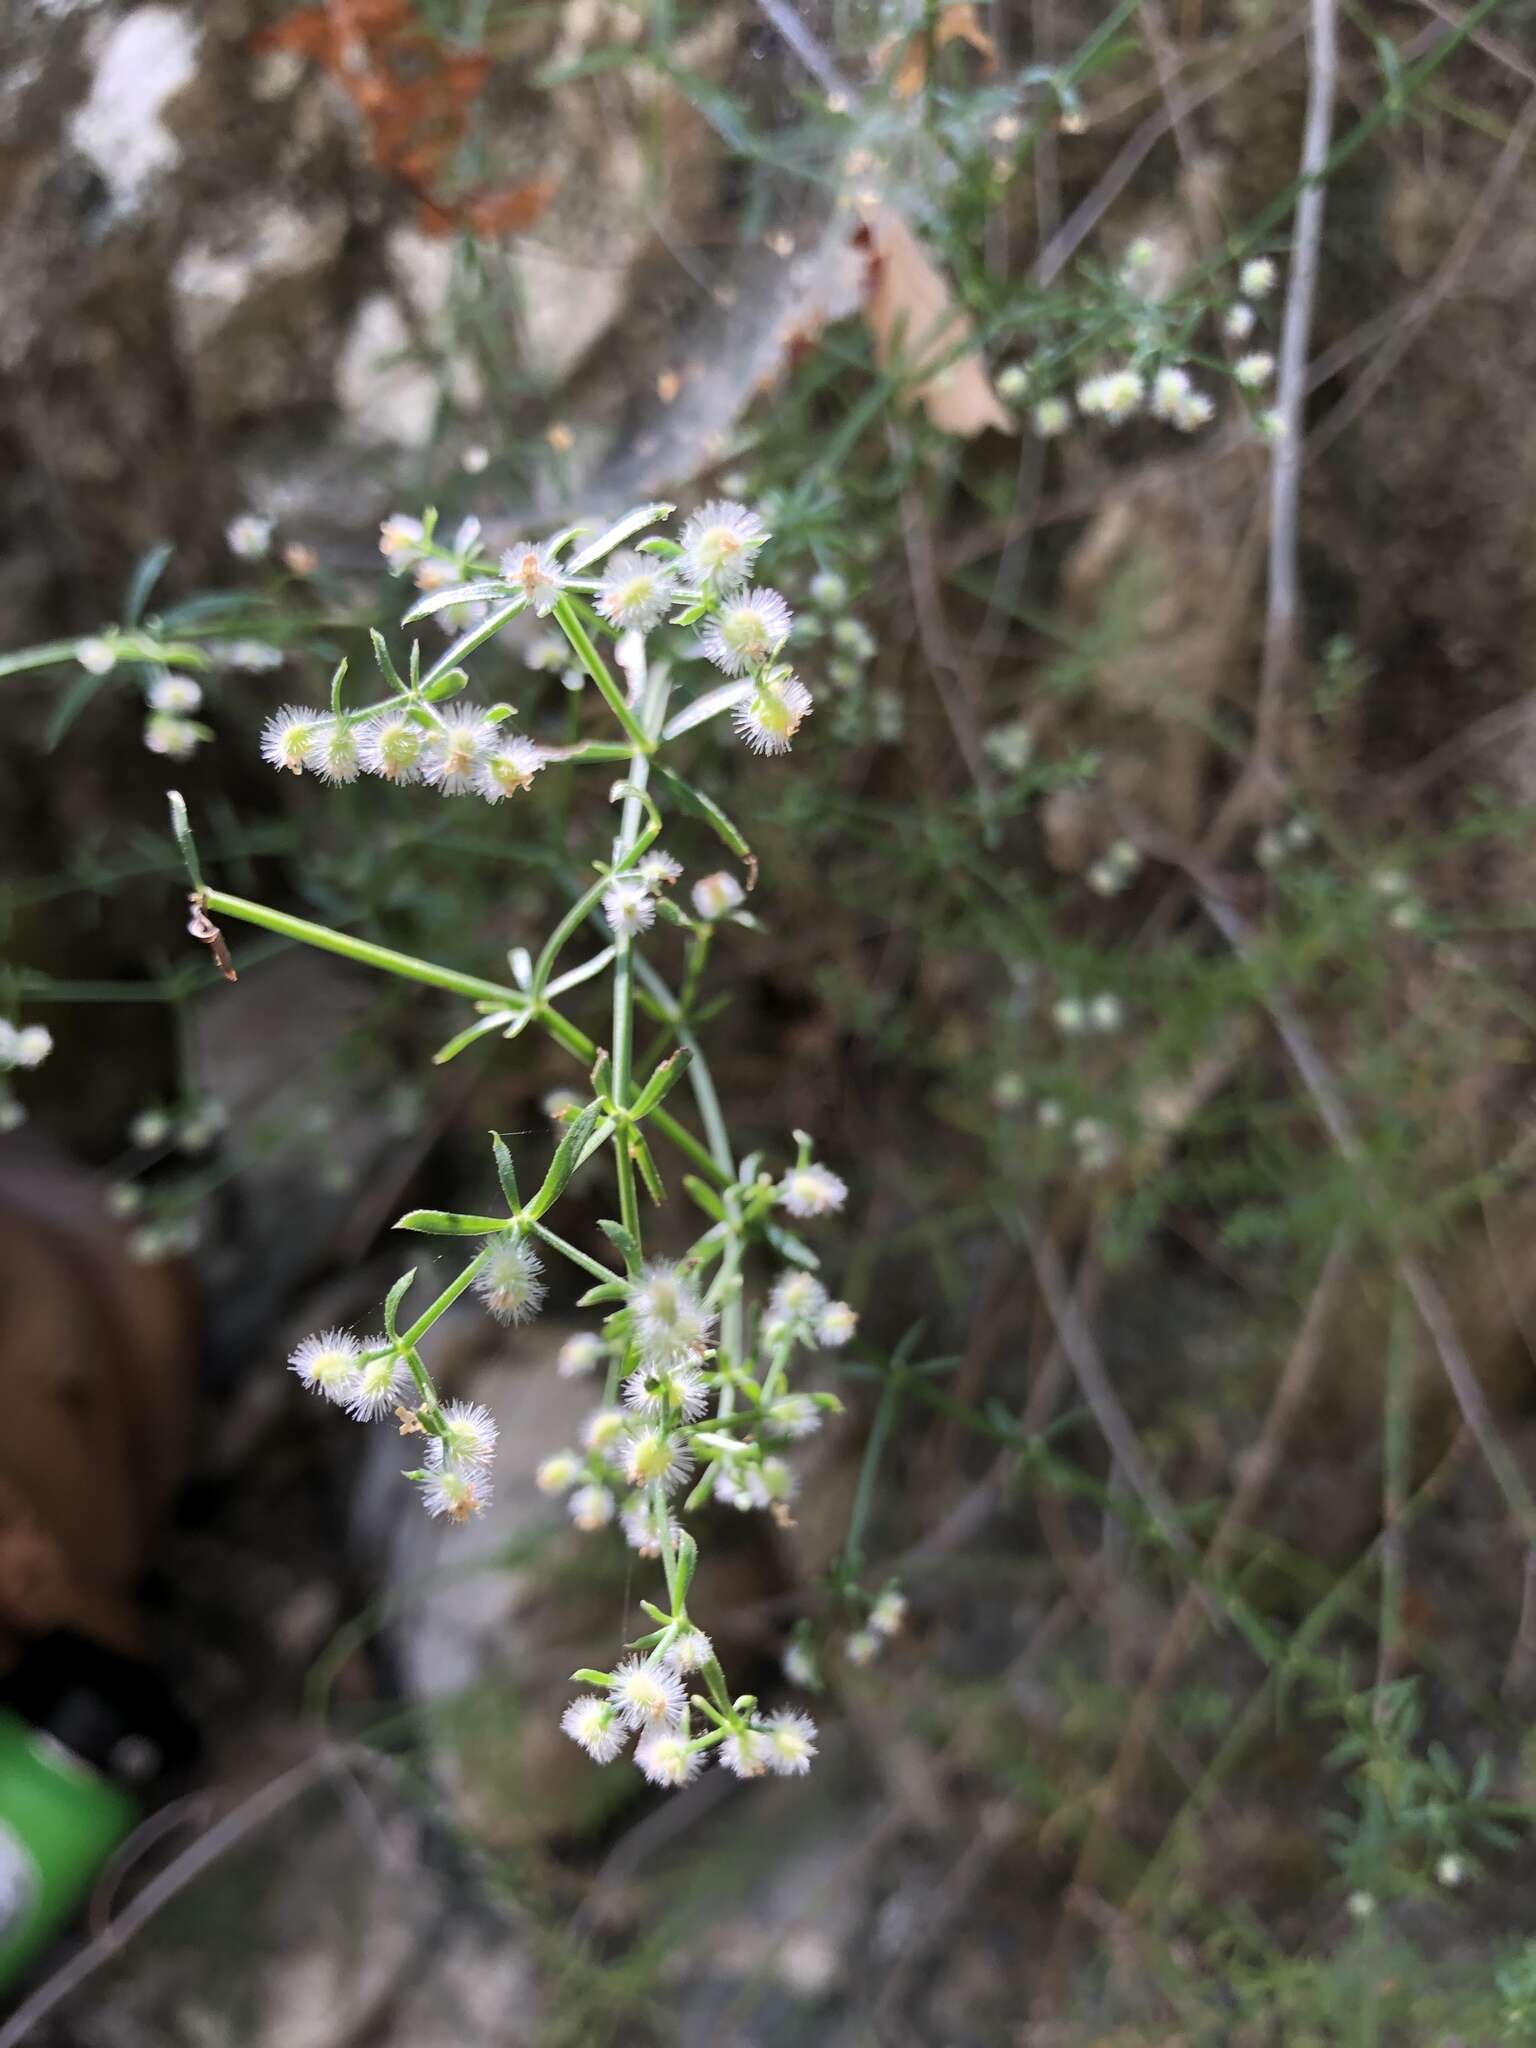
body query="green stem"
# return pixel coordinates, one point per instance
(361, 950)
(446, 1299)
(597, 669)
(569, 1251)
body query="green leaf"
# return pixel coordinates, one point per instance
(392, 1302)
(621, 529)
(790, 1247)
(505, 1174)
(661, 1083)
(147, 573)
(627, 1242)
(337, 680)
(385, 659)
(724, 698)
(640, 1152)
(70, 706)
(460, 593)
(563, 1165)
(705, 1196)
(473, 1031)
(705, 807)
(475, 637)
(448, 1223)
(605, 1290)
(586, 1676)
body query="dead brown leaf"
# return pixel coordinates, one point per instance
(954, 24)
(913, 318)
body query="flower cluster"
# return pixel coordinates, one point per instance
(1155, 378)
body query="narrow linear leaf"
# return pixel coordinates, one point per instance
(621, 529)
(704, 807)
(640, 1152)
(705, 1196)
(448, 1223)
(563, 1165)
(459, 593)
(392, 1302)
(790, 1247)
(724, 698)
(471, 1032)
(505, 1173)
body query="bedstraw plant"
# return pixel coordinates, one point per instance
(693, 1380)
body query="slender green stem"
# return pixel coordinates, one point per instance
(597, 669)
(569, 1251)
(361, 950)
(445, 1300)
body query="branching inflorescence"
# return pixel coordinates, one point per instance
(695, 1400)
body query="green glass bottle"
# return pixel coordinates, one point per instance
(60, 1819)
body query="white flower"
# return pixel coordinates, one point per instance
(720, 543)
(591, 1507)
(829, 590)
(1096, 1144)
(536, 572)
(628, 907)
(800, 1666)
(177, 739)
(646, 1695)
(1257, 277)
(1051, 418)
(595, 1725)
(657, 869)
(689, 1650)
(1011, 746)
(469, 1437)
(400, 539)
(327, 1364)
(666, 1758)
(747, 630)
(771, 717)
(644, 1530)
(745, 1751)
(794, 1415)
(455, 1492)
(508, 1283)
(201, 1125)
(671, 1325)
(98, 657)
(509, 767)
(603, 1428)
(123, 1199)
(1012, 383)
(1252, 371)
(862, 1647)
(333, 751)
(390, 745)
(1105, 1013)
(1238, 320)
(715, 896)
(249, 537)
(1360, 1905)
(836, 1325)
(455, 748)
(251, 655)
(149, 1128)
(178, 695)
(636, 592)
(558, 1473)
(672, 1389)
(855, 638)
(796, 1297)
(1175, 400)
(1070, 1014)
(27, 1046)
(286, 737)
(382, 1383)
(1112, 396)
(888, 1615)
(655, 1457)
(434, 575)
(579, 1355)
(1450, 1871)
(811, 1190)
(791, 1742)
(1272, 425)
